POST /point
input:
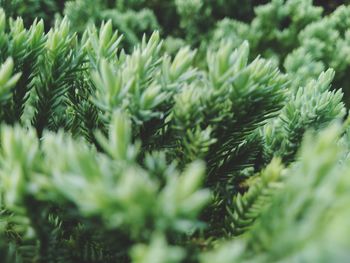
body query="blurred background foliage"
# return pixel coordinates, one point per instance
(193, 21)
(271, 27)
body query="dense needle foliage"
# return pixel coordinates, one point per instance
(174, 131)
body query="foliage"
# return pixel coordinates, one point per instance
(296, 35)
(302, 112)
(306, 220)
(29, 10)
(274, 29)
(117, 145)
(324, 44)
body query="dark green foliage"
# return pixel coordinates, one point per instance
(58, 67)
(133, 24)
(24, 46)
(307, 218)
(330, 6)
(33, 9)
(274, 30)
(297, 35)
(190, 20)
(246, 208)
(323, 44)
